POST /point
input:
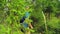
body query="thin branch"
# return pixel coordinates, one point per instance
(45, 22)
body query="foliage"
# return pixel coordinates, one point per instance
(11, 11)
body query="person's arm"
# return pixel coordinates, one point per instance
(30, 25)
(27, 20)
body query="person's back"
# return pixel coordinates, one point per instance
(25, 21)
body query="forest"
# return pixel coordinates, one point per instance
(44, 16)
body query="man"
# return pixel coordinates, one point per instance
(26, 22)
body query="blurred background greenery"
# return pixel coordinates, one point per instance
(45, 15)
